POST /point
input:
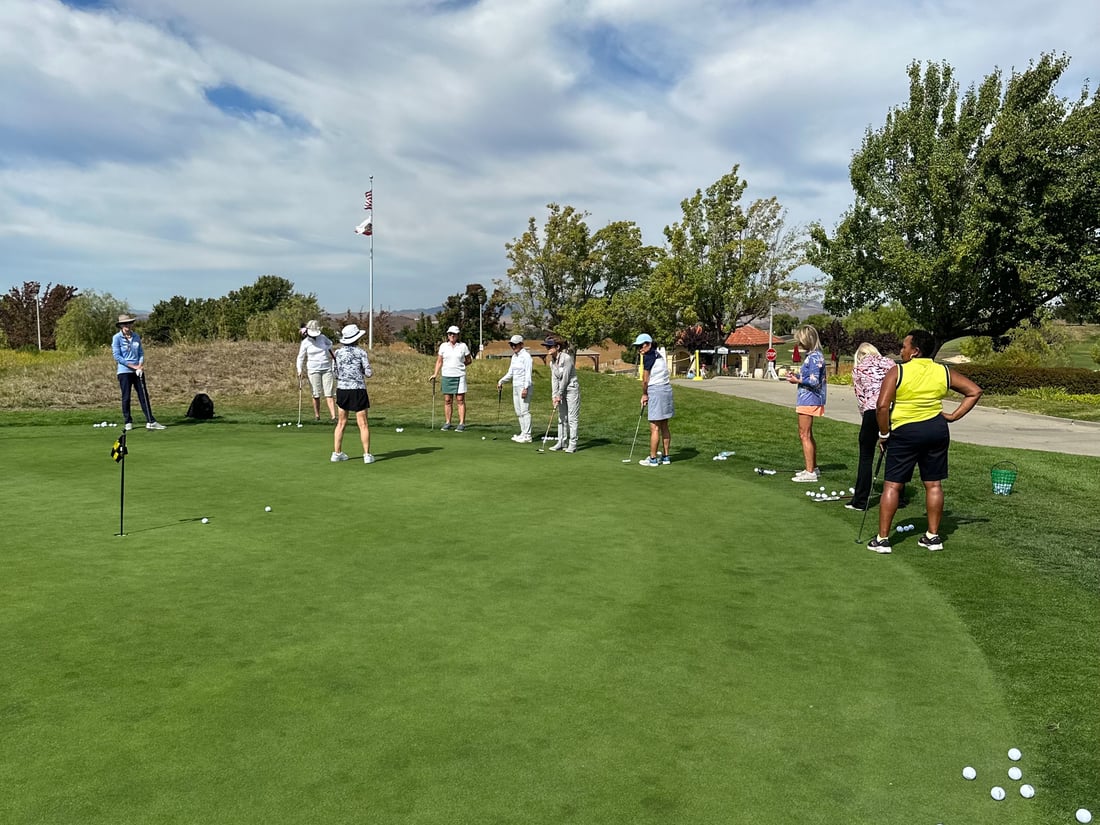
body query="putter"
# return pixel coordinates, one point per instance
(641, 410)
(299, 401)
(863, 521)
(542, 449)
(500, 392)
(432, 379)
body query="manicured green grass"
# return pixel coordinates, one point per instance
(470, 631)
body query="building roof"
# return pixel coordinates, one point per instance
(748, 336)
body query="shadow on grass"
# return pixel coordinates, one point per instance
(405, 453)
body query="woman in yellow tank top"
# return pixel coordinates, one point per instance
(913, 431)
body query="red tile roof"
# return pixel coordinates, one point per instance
(748, 336)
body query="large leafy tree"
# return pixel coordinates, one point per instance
(26, 311)
(89, 322)
(555, 271)
(476, 314)
(972, 211)
(726, 265)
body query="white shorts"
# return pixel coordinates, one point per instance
(323, 384)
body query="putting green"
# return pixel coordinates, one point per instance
(466, 631)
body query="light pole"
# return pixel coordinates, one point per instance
(479, 291)
(38, 318)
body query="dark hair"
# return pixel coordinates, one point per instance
(924, 341)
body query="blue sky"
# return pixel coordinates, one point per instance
(151, 148)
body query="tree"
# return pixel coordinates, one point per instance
(27, 312)
(783, 323)
(563, 267)
(284, 321)
(735, 264)
(888, 318)
(971, 212)
(89, 322)
(476, 315)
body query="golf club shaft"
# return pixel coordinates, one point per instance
(546, 435)
(867, 505)
(433, 402)
(299, 401)
(637, 427)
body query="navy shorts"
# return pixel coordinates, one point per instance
(922, 444)
(352, 400)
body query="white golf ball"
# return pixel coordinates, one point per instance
(1026, 791)
(1083, 815)
(113, 424)
(901, 529)
(822, 489)
(997, 792)
(969, 773)
(851, 489)
(833, 493)
(400, 429)
(1015, 773)
(205, 520)
(1014, 754)
(267, 509)
(482, 438)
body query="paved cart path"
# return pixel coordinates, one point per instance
(982, 425)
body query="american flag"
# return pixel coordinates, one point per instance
(369, 203)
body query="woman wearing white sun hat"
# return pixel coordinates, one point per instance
(352, 368)
(315, 361)
(454, 357)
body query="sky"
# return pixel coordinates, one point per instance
(153, 148)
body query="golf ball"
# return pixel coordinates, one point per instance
(1014, 754)
(822, 489)
(205, 520)
(901, 529)
(400, 429)
(267, 509)
(1026, 791)
(1083, 815)
(851, 489)
(997, 792)
(482, 438)
(1015, 773)
(969, 773)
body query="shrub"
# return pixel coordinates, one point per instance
(1002, 380)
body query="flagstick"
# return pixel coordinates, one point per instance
(122, 490)
(370, 319)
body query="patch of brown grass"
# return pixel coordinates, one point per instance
(250, 374)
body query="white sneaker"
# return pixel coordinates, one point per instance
(339, 457)
(517, 438)
(570, 449)
(523, 439)
(554, 447)
(804, 477)
(155, 425)
(368, 459)
(127, 426)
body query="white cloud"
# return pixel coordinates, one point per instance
(117, 174)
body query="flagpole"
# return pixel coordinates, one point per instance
(370, 319)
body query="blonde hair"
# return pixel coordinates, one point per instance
(863, 350)
(807, 338)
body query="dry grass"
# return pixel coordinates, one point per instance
(244, 374)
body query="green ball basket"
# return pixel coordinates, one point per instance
(1004, 475)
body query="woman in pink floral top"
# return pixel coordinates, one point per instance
(870, 368)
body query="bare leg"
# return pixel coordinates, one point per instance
(933, 497)
(338, 433)
(461, 408)
(331, 406)
(448, 401)
(666, 434)
(654, 438)
(806, 436)
(888, 506)
(364, 430)
(317, 407)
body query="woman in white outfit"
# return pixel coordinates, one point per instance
(519, 373)
(565, 391)
(315, 360)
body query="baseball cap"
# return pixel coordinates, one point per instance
(642, 339)
(516, 339)
(452, 329)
